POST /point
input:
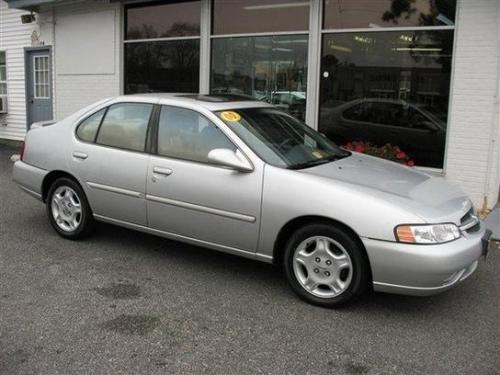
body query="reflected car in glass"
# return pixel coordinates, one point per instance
(412, 127)
(243, 177)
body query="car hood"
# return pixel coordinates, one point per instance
(431, 198)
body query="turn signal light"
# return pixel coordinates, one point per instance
(405, 234)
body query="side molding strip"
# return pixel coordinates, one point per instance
(191, 240)
(113, 189)
(196, 207)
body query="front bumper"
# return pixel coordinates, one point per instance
(423, 270)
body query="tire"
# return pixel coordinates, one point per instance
(327, 278)
(67, 201)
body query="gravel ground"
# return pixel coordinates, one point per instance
(125, 302)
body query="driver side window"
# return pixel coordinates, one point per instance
(186, 134)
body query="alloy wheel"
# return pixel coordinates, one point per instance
(322, 266)
(66, 208)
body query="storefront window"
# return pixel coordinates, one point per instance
(387, 93)
(256, 16)
(165, 66)
(268, 68)
(162, 19)
(163, 63)
(345, 14)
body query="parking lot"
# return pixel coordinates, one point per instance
(126, 302)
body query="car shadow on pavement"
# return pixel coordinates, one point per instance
(250, 271)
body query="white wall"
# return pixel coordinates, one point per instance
(86, 48)
(472, 159)
(14, 36)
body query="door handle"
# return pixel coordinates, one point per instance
(162, 171)
(80, 155)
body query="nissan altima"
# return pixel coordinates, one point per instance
(243, 177)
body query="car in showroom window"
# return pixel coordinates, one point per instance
(240, 176)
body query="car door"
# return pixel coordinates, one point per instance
(109, 156)
(189, 196)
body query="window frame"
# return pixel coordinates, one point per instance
(47, 84)
(153, 117)
(155, 138)
(5, 82)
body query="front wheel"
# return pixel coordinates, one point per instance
(68, 209)
(325, 265)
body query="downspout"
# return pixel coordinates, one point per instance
(494, 132)
(53, 63)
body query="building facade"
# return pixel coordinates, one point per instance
(14, 37)
(415, 81)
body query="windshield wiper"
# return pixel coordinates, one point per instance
(312, 163)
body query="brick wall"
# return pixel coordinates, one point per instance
(472, 158)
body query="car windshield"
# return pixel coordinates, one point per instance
(279, 139)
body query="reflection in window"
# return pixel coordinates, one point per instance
(388, 87)
(255, 16)
(163, 19)
(188, 135)
(125, 126)
(272, 69)
(344, 14)
(169, 66)
(87, 129)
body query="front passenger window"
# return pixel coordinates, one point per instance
(125, 126)
(186, 134)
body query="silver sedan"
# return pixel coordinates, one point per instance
(242, 177)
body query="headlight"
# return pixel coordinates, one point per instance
(427, 234)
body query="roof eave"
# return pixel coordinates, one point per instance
(31, 4)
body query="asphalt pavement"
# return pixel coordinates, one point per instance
(124, 302)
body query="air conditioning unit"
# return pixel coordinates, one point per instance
(3, 104)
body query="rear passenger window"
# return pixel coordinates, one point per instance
(87, 129)
(186, 134)
(125, 126)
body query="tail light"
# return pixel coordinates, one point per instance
(23, 149)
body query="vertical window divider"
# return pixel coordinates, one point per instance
(205, 57)
(314, 63)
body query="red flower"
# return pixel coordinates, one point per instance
(400, 155)
(410, 163)
(359, 148)
(397, 149)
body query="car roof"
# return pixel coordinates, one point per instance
(214, 102)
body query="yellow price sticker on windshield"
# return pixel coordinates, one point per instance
(230, 116)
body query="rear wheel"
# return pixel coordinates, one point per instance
(68, 209)
(325, 265)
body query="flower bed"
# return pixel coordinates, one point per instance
(387, 151)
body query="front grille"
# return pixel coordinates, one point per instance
(470, 222)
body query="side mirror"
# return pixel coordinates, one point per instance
(231, 159)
